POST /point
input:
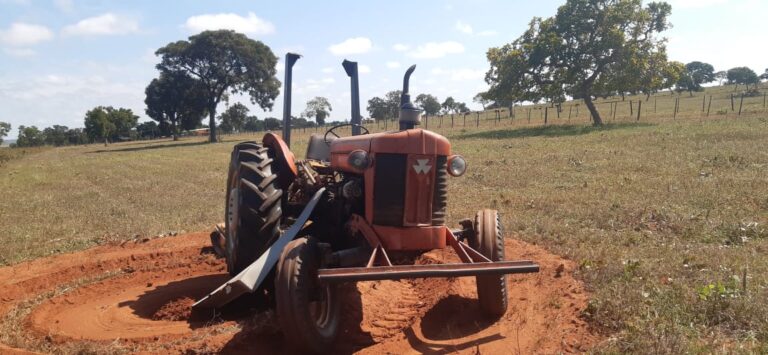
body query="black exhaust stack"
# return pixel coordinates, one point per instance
(410, 115)
(355, 120)
(290, 60)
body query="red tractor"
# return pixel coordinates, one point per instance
(295, 229)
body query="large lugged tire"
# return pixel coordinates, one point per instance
(308, 312)
(253, 209)
(491, 290)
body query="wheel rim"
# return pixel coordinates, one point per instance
(320, 310)
(233, 219)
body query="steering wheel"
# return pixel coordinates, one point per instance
(333, 129)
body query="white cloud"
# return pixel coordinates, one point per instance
(19, 52)
(463, 27)
(487, 33)
(437, 49)
(102, 25)
(356, 45)
(363, 69)
(399, 47)
(250, 24)
(327, 70)
(22, 34)
(393, 65)
(460, 74)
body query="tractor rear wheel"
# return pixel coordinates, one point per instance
(489, 240)
(253, 206)
(307, 311)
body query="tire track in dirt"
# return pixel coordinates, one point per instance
(134, 297)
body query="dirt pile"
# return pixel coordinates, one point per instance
(136, 297)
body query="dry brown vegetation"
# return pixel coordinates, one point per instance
(666, 218)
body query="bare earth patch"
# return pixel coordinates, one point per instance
(145, 306)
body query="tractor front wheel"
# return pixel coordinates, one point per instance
(307, 311)
(489, 240)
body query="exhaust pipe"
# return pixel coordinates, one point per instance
(410, 115)
(355, 120)
(290, 60)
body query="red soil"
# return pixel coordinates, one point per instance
(136, 297)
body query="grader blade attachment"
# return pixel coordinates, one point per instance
(251, 278)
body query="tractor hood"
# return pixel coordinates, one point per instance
(410, 141)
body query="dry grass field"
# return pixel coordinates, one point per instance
(666, 217)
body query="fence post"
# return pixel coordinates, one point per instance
(654, 105)
(477, 121)
(546, 111)
(732, 107)
(529, 115)
(710, 105)
(703, 101)
(639, 105)
(764, 94)
(677, 100)
(570, 108)
(741, 103)
(631, 109)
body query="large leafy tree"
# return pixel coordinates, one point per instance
(224, 62)
(318, 108)
(449, 105)
(5, 127)
(56, 135)
(233, 118)
(576, 51)
(30, 137)
(148, 130)
(108, 123)
(764, 75)
(696, 73)
(742, 75)
(385, 108)
(175, 99)
(428, 103)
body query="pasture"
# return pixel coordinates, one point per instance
(665, 217)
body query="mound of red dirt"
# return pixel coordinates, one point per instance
(137, 297)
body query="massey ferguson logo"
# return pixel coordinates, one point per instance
(422, 166)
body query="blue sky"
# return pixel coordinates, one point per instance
(60, 58)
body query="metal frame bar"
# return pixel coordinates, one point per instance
(398, 272)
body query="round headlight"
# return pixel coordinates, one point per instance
(358, 159)
(457, 165)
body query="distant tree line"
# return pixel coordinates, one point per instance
(388, 107)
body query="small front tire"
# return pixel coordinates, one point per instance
(489, 241)
(308, 312)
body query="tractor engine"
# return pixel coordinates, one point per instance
(405, 179)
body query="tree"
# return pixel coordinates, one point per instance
(176, 99)
(721, 76)
(696, 73)
(742, 75)
(271, 124)
(481, 99)
(148, 130)
(462, 108)
(108, 123)
(5, 127)
(77, 136)
(56, 135)
(233, 119)
(575, 51)
(318, 108)
(252, 124)
(428, 103)
(98, 125)
(224, 62)
(30, 137)
(386, 108)
(672, 73)
(449, 105)
(764, 76)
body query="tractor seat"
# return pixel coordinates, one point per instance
(317, 149)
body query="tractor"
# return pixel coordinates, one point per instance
(297, 228)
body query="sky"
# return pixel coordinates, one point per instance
(60, 58)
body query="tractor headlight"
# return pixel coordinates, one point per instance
(457, 165)
(358, 159)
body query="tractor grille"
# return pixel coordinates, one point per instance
(440, 196)
(389, 189)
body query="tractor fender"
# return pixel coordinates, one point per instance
(285, 161)
(249, 279)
